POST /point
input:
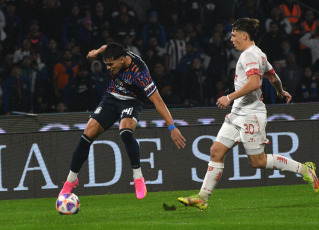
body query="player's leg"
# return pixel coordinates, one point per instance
(103, 117)
(275, 161)
(92, 130)
(258, 159)
(128, 123)
(224, 142)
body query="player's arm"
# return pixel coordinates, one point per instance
(161, 108)
(251, 85)
(276, 83)
(93, 54)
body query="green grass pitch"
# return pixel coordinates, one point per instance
(274, 207)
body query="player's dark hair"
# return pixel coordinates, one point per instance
(248, 25)
(114, 51)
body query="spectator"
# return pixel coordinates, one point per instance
(173, 22)
(185, 64)
(175, 50)
(190, 32)
(30, 70)
(251, 9)
(6, 65)
(211, 11)
(100, 19)
(159, 51)
(101, 80)
(26, 10)
(169, 96)
(291, 11)
(80, 92)
(163, 78)
(42, 97)
(51, 16)
(17, 93)
(71, 25)
(291, 75)
(13, 28)
(141, 8)
(128, 44)
(270, 43)
(215, 49)
(123, 22)
(276, 16)
(154, 29)
(61, 108)
(39, 41)
(310, 24)
(311, 40)
(64, 72)
(52, 56)
(85, 31)
(197, 85)
(308, 88)
(150, 57)
(23, 51)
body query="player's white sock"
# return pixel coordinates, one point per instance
(72, 176)
(213, 174)
(137, 173)
(275, 161)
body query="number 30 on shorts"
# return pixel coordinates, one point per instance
(249, 128)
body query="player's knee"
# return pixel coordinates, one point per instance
(216, 153)
(126, 135)
(257, 163)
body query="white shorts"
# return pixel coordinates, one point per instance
(249, 129)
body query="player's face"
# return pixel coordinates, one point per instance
(237, 38)
(115, 65)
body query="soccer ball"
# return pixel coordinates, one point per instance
(68, 204)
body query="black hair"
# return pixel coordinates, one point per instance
(248, 25)
(114, 51)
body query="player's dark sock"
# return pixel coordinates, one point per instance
(132, 147)
(81, 153)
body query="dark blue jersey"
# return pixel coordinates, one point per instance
(135, 82)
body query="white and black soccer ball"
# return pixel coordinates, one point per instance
(68, 204)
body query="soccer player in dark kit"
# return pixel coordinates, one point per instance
(130, 84)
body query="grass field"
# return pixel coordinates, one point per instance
(277, 207)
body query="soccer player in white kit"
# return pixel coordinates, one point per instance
(248, 118)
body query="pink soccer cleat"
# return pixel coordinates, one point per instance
(140, 188)
(67, 187)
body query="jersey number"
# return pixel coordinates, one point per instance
(249, 128)
(128, 111)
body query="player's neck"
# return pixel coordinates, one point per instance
(127, 62)
(247, 45)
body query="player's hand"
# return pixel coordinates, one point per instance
(223, 102)
(178, 139)
(92, 54)
(286, 95)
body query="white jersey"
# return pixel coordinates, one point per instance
(251, 61)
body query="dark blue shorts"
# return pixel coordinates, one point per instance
(112, 109)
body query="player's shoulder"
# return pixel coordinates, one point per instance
(138, 65)
(252, 52)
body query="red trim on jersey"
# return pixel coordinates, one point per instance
(272, 71)
(252, 71)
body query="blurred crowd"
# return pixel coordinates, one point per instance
(185, 43)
